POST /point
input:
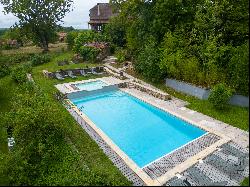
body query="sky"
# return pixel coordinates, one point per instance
(78, 18)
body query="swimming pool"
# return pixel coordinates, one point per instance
(89, 86)
(142, 131)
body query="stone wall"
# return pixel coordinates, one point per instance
(239, 100)
(189, 89)
(76, 71)
(203, 93)
(142, 88)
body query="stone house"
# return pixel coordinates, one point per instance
(100, 15)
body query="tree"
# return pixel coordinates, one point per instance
(38, 19)
(116, 31)
(2, 32)
(71, 38)
(15, 34)
(204, 42)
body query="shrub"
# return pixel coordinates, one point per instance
(14, 58)
(238, 74)
(116, 31)
(19, 73)
(71, 39)
(220, 96)
(4, 70)
(89, 53)
(147, 62)
(44, 153)
(121, 55)
(39, 59)
(86, 37)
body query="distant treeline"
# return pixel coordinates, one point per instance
(2, 31)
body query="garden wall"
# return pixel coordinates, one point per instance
(203, 93)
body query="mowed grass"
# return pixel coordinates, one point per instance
(245, 182)
(57, 47)
(57, 57)
(232, 115)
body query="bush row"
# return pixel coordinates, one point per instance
(18, 70)
(40, 59)
(19, 73)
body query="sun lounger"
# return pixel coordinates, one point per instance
(100, 68)
(230, 169)
(59, 76)
(177, 182)
(70, 74)
(228, 149)
(95, 73)
(88, 71)
(201, 179)
(82, 72)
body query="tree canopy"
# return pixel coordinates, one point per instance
(204, 42)
(38, 19)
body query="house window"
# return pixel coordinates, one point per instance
(99, 27)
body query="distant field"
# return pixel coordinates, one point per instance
(34, 49)
(2, 31)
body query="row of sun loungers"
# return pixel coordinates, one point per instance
(227, 166)
(61, 75)
(194, 177)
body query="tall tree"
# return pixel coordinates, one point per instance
(38, 19)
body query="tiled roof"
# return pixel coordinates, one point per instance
(104, 13)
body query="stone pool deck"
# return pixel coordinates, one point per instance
(229, 145)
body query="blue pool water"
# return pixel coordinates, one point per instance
(89, 86)
(142, 131)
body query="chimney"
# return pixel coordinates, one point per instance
(98, 6)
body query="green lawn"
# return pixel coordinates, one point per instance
(53, 65)
(245, 182)
(57, 47)
(233, 115)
